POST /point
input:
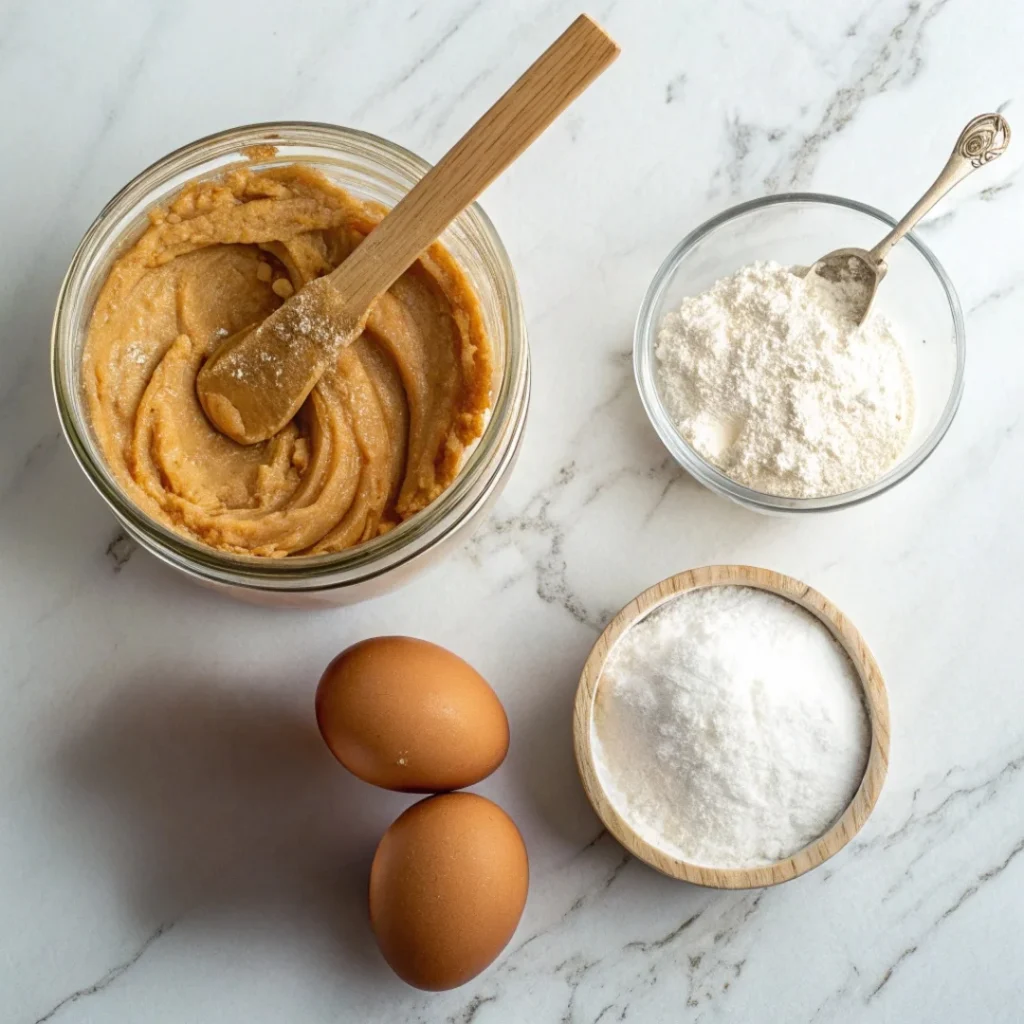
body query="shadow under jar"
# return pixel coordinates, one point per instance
(795, 229)
(369, 168)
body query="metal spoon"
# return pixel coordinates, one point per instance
(857, 273)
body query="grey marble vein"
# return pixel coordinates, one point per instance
(675, 88)
(889, 971)
(898, 57)
(108, 979)
(472, 1008)
(537, 523)
(646, 946)
(29, 462)
(424, 60)
(121, 549)
(740, 139)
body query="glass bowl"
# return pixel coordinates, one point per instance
(797, 228)
(371, 168)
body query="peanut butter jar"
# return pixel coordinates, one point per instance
(370, 169)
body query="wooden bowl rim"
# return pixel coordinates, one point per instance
(875, 698)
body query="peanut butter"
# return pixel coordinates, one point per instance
(379, 438)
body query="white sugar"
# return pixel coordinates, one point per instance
(730, 728)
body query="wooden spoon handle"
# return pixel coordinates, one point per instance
(548, 86)
(255, 382)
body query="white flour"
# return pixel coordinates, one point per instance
(768, 379)
(729, 728)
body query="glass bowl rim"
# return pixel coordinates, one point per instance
(709, 475)
(373, 557)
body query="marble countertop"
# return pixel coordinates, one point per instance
(175, 843)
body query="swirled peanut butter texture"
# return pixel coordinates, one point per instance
(381, 436)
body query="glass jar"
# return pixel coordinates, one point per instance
(372, 169)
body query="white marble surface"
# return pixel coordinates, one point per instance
(175, 844)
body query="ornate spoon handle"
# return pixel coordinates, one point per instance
(984, 139)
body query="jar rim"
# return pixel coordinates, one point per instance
(213, 154)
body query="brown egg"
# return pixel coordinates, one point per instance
(447, 888)
(409, 715)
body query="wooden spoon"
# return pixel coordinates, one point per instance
(257, 380)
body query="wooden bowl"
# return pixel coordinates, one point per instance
(875, 698)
